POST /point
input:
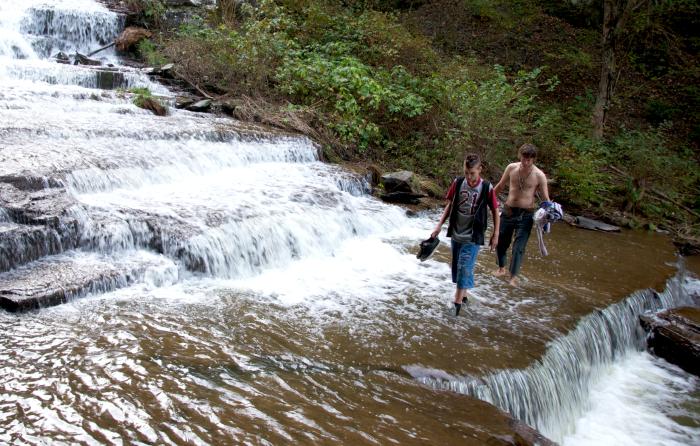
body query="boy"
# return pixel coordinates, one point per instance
(467, 200)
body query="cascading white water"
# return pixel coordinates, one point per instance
(552, 394)
(215, 197)
(37, 29)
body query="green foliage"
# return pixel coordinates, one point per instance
(357, 95)
(490, 115)
(648, 158)
(150, 54)
(150, 11)
(141, 95)
(581, 179)
(658, 111)
(241, 60)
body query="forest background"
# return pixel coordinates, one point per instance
(401, 84)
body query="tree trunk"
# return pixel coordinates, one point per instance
(608, 65)
(615, 14)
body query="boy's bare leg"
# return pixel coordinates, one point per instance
(460, 294)
(514, 281)
(500, 272)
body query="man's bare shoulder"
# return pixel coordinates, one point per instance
(539, 172)
(512, 166)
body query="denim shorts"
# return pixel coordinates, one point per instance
(463, 262)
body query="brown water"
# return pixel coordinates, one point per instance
(234, 368)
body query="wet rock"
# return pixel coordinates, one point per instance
(84, 60)
(166, 70)
(56, 280)
(185, 101)
(403, 181)
(200, 106)
(522, 435)
(29, 182)
(229, 106)
(153, 105)
(48, 283)
(130, 37)
(675, 336)
(594, 225)
(44, 206)
(62, 57)
(21, 244)
(110, 80)
(687, 246)
(402, 197)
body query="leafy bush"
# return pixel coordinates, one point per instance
(150, 11)
(355, 94)
(141, 95)
(150, 53)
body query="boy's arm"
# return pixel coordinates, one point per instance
(445, 213)
(496, 220)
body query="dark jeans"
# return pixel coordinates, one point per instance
(518, 221)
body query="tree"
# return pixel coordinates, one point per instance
(616, 13)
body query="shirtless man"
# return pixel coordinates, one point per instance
(523, 180)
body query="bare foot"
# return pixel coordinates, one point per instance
(514, 281)
(500, 272)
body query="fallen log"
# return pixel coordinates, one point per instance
(101, 49)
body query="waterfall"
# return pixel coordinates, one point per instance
(35, 29)
(212, 196)
(551, 394)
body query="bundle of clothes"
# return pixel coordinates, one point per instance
(548, 213)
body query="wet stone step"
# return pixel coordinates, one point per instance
(20, 244)
(56, 280)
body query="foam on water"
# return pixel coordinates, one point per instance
(639, 400)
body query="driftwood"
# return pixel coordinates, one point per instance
(101, 49)
(196, 87)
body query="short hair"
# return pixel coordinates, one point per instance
(528, 150)
(471, 160)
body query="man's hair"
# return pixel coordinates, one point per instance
(528, 150)
(471, 160)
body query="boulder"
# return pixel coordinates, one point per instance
(155, 106)
(594, 225)
(675, 336)
(81, 59)
(62, 57)
(130, 37)
(200, 106)
(185, 101)
(110, 80)
(167, 70)
(229, 106)
(401, 197)
(403, 181)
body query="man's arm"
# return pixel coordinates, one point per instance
(544, 190)
(498, 188)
